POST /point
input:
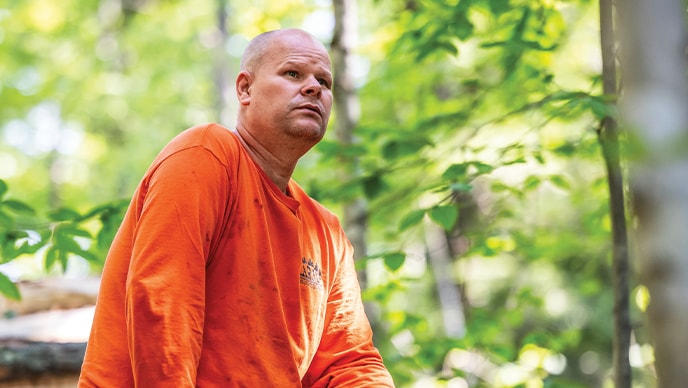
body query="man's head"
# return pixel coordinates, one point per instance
(284, 89)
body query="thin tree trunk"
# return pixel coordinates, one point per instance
(609, 140)
(654, 107)
(221, 66)
(441, 257)
(347, 112)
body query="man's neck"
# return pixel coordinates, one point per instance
(277, 170)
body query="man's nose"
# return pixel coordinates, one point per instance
(312, 87)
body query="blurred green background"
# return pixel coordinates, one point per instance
(475, 156)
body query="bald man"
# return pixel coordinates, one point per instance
(224, 272)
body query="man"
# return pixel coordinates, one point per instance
(224, 272)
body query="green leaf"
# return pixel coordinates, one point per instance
(399, 148)
(28, 248)
(482, 168)
(464, 187)
(65, 242)
(63, 258)
(560, 182)
(8, 288)
(17, 234)
(9, 251)
(106, 235)
(373, 185)
(449, 47)
(394, 260)
(461, 25)
(63, 214)
(88, 255)
(17, 206)
(50, 257)
(455, 171)
(6, 220)
(361, 263)
(499, 6)
(411, 219)
(444, 216)
(3, 188)
(460, 171)
(74, 229)
(518, 160)
(330, 149)
(96, 210)
(600, 107)
(566, 149)
(8, 244)
(500, 187)
(531, 183)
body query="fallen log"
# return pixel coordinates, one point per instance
(29, 360)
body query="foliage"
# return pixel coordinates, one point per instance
(488, 130)
(59, 235)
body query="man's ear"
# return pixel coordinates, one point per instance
(243, 87)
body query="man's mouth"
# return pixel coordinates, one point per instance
(311, 107)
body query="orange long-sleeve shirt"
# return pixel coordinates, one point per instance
(218, 279)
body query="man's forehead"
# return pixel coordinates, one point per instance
(300, 43)
(306, 58)
(301, 51)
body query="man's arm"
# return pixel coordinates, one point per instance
(165, 288)
(346, 356)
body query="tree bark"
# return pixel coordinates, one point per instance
(36, 361)
(347, 113)
(609, 141)
(43, 343)
(441, 258)
(654, 108)
(221, 66)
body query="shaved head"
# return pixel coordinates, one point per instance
(259, 46)
(255, 50)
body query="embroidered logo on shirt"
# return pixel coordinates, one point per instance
(311, 275)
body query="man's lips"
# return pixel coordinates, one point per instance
(311, 107)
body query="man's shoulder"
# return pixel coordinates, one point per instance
(207, 135)
(215, 138)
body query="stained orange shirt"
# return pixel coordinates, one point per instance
(218, 279)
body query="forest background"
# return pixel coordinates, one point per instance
(464, 157)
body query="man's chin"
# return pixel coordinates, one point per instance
(309, 133)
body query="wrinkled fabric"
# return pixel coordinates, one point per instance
(218, 279)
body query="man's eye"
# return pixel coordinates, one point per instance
(291, 73)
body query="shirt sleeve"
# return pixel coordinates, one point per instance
(165, 287)
(346, 356)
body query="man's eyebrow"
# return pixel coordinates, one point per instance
(295, 62)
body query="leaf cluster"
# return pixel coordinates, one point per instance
(60, 234)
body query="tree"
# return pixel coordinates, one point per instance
(609, 141)
(654, 101)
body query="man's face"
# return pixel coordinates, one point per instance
(291, 90)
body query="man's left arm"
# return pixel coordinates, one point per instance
(346, 356)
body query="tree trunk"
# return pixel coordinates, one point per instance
(347, 112)
(28, 361)
(43, 336)
(221, 67)
(441, 258)
(609, 140)
(654, 108)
